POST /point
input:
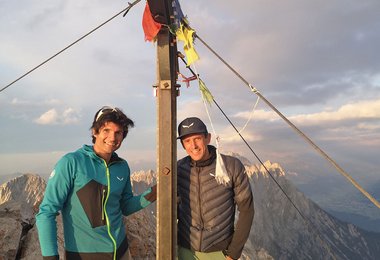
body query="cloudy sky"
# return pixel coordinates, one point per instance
(317, 62)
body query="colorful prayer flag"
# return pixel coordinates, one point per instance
(150, 26)
(185, 34)
(178, 14)
(206, 94)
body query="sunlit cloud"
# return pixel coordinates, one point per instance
(362, 110)
(369, 126)
(229, 135)
(34, 103)
(48, 118)
(257, 115)
(368, 109)
(70, 116)
(52, 117)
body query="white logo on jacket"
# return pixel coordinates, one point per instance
(52, 174)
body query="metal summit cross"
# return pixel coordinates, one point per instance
(166, 93)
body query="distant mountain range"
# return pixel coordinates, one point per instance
(278, 232)
(343, 201)
(284, 234)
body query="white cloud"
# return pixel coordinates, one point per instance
(257, 115)
(48, 118)
(367, 109)
(70, 116)
(52, 117)
(229, 135)
(369, 126)
(34, 103)
(362, 110)
(17, 101)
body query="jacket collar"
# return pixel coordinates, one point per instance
(89, 150)
(207, 162)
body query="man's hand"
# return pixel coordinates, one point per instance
(152, 196)
(227, 256)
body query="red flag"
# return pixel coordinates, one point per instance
(150, 26)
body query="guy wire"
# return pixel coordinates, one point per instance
(125, 11)
(307, 139)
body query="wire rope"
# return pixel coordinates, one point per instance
(125, 11)
(304, 136)
(250, 115)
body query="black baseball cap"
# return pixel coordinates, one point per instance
(191, 125)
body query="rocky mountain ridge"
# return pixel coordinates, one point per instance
(279, 231)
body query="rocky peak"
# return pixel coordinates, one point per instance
(23, 194)
(261, 170)
(147, 177)
(27, 187)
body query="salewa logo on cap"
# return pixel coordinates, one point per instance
(188, 126)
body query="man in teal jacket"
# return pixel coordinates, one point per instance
(91, 188)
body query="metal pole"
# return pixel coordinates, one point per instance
(166, 91)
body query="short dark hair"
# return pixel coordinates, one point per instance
(111, 114)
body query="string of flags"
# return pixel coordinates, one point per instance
(184, 33)
(180, 28)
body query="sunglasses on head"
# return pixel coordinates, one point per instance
(104, 110)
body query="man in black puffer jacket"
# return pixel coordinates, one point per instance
(206, 209)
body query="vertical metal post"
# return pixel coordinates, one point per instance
(166, 143)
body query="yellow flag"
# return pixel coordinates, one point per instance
(206, 94)
(185, 34)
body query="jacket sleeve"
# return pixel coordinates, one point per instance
(131, 204)
(245, 206)
(58, 187)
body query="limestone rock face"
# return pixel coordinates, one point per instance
(19, 202)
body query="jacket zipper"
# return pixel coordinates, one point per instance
(103, 203)
(200, 207)
(105, 211)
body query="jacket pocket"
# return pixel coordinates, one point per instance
(92, 197)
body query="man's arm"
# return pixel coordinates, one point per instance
(131, 204)
(58, 187)
(245, 205)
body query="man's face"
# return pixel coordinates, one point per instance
(196, 146)
(108, 139)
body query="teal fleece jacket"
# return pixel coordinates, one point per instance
(92, 198)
